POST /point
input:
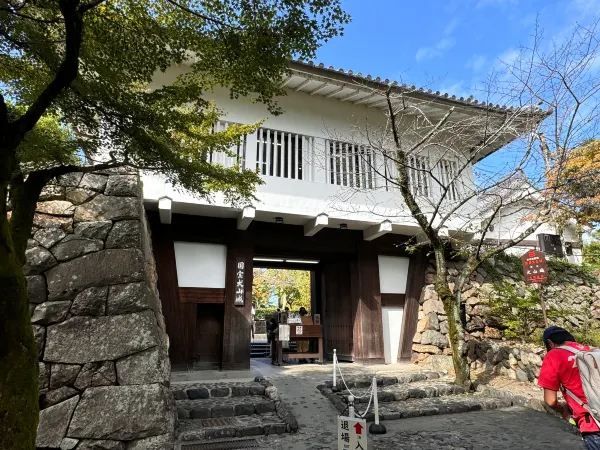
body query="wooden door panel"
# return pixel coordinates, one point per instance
(209, 335)
(338, 309)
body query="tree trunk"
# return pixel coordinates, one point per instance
(19, 407)
(456, 333)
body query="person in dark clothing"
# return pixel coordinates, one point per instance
(272, 327)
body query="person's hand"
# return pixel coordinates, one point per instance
(565, 411)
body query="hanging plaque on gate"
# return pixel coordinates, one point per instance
(240, 272)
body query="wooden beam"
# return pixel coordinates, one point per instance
(379, 103)
(351, 96)
(304, 83)
(378, 230)
(286, 82)
(320, 88)
(246, 217)
(164, 210)
(201, 295)
(367, 99)
(315, 225)
(336, 91)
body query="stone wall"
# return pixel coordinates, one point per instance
(566, 290)
(103, 350)
(520, 362)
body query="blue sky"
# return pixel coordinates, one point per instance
(446, 45)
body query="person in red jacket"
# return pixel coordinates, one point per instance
(558, 371)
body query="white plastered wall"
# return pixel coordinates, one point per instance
(393, 274)
(200, 265)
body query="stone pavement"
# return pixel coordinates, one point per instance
(510, 428)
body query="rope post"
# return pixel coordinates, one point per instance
(376, 427)
(351, 413)
(334, 387)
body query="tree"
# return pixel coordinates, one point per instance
(74, 96)
(578, 197)
(427, 149)
(291, 287)
(591, 253)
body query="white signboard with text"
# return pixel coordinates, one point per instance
(352, 433)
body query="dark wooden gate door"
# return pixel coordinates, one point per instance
(209, 336)
(337, 302)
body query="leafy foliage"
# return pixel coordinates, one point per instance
(291, 288)
(591, 255)
(579, 189)
(588, 331)
(518, 310)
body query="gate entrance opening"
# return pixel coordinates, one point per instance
(279, 285)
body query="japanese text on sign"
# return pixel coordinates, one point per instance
(352, 434)
(239, 284)
(535, 268)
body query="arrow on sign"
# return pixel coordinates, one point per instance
(358, 428)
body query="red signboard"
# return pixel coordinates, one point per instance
(535, 267)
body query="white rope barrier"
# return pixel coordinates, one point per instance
(353, 396)
(376, 428)
(344, 381)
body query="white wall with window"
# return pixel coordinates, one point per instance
(315, 152)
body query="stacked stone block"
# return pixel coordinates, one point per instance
(102, 346)
(490, 351)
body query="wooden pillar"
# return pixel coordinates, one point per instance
(236, 330)
(368, 329)
(414, 286)
(180, 318)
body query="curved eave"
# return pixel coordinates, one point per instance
(345, 86)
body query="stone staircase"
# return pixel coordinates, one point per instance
(217, 412)
(413, 395)
(260, 350)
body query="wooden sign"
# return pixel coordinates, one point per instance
(535, 267)
(239, 283)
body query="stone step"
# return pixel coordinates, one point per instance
(230, 427)
(439, 405)
(194, 391)
(224, 407)
(400, 392)
(365, 381)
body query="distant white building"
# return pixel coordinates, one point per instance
(512, 220)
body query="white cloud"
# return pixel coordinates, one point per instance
(584, 7)
(476, 63)
(438, 49)
(450, 27)
(508, 57)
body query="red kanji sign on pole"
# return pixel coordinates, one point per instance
(535, 271)
(535, 267)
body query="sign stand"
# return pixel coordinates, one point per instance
(543, 303)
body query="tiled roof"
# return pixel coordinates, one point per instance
(412, 90)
